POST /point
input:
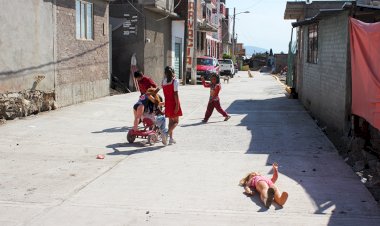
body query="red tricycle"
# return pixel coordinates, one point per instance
(151, 131)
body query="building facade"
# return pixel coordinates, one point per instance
(143, 30)
(226, 34)
(55, 47)
(322, 69)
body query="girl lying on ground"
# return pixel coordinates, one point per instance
(142, 104)
(267, 189)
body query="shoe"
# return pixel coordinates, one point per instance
(164, 138)
(172, 141)
(270, 198)
(204, 121)
(227, 118)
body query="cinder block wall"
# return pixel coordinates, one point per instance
(325, 87)
(157, 52)
(82, 65)
(152, 45)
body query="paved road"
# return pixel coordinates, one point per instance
(49, 174)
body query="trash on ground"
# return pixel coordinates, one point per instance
(100, 157)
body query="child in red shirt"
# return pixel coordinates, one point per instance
(214, 101)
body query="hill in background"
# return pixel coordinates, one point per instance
(249, 50)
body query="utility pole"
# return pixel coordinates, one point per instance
(233, 36)
(195, 38)
(191, 40)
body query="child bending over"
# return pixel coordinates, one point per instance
(143, 103)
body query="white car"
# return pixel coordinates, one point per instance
(227, 67)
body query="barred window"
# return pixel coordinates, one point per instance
(84, 20)
(312, 51)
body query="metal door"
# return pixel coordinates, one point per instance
(178, 60)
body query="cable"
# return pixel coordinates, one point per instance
(170, 12)
(135, 8)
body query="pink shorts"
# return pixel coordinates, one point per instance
(257, 179)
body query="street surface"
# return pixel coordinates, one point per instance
(49, 174)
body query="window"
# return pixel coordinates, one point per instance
(199, 40)
(202, 41)
(312, 51)
(84, 20)
(205, 61)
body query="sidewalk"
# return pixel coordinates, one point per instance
(49, 174)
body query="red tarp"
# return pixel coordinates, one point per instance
(365, 65)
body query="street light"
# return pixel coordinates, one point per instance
(233, 32)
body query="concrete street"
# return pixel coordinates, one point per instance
(49, 174)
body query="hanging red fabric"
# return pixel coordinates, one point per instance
(365, 66)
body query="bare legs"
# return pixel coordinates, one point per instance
(280, 198)
(173, 122)
(138, 114)
(268, 194)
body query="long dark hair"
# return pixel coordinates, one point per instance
(169, 73)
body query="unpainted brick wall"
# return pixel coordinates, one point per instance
(325, 89)
(82, 65)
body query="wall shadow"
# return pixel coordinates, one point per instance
(282, 129)
(20, 71)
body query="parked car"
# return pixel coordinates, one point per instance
(207, 66)
(227, 67)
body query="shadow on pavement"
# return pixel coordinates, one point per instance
(199, 124)
(114, 130)
(282, 129)
(142, 148)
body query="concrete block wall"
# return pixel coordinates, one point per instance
(124, 46)
(82, 65)
(157, 52)
(152, 45)
(325, 89)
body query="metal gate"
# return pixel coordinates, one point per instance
(178, 60)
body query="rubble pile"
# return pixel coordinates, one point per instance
(364, 159)
(24, 103)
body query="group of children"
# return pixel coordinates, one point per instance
(150, 102)
(150, 99)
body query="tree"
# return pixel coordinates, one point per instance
(271, 52)
(226, 56)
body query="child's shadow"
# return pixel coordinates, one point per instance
(256, 199)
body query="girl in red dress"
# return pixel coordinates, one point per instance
(172, 105)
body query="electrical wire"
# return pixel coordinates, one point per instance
(170, 11)
(134, 7)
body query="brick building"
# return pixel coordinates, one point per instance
(55, 47)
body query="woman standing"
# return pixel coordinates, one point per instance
(172, 105)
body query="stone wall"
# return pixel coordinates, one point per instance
(326, 85)
(21, 104)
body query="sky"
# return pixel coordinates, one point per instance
(264, 26)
